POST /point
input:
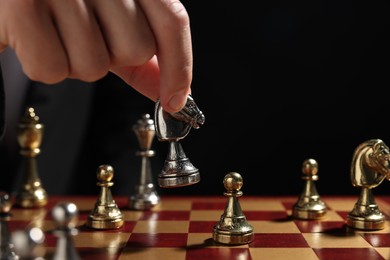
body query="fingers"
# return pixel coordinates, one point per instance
(78, 39)
(170, 23)
(82, 39)
(33, 36)
(145, 79)
(128, 36)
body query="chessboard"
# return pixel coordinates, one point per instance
(181, 228)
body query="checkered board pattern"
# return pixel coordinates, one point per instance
(181, 228)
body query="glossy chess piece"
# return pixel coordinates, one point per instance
(145, 196)
(65, 216)
(28, 243)
(105, 214)
(309, 204)
(6, 247)
(178, 170)
(370, 166)
(233, 227)
(30, 131)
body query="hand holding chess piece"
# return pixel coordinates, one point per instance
(370, 166)
(6, 247)
(233, 227)
(30, 131)
(106, 214)
(145, 196)
(178, 170)
(309, 204)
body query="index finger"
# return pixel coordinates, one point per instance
(170, 23)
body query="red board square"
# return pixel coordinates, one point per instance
(347, 253)
(87, 253)
(157, 240)
(201, 226)
(332, 227)
(165, 215)
(377, 240)
(279, 240)
(218, 253)
(17, 225)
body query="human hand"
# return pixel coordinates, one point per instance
(146, 43)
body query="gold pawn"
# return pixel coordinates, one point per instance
(30, 131)
(106, 214)
(309, 204)
(233, 227)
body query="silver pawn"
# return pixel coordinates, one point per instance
(65, 215)
(6, 247)
(233, 227)
(145, 196)
(29, 243)
(309, 204)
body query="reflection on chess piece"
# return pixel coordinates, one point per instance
(145, 196)
(30, 131)
(106, 214)
(309, 204)
(6, 246)
(178, 170)
(233, 227)
(370, 166)
(28, 243)
(65, 216)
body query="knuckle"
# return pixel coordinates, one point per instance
(89, 73)
(179, 16)
(48, 74)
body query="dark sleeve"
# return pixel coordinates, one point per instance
(2, 106)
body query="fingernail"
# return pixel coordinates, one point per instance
(177, 102)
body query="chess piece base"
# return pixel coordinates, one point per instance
(364, 224)
(32, 198)
(308, 214)
(232, 239)
(141, 203)
(178, 181)
(96, 223)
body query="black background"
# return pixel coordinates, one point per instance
(278, 81)
(283, 81)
